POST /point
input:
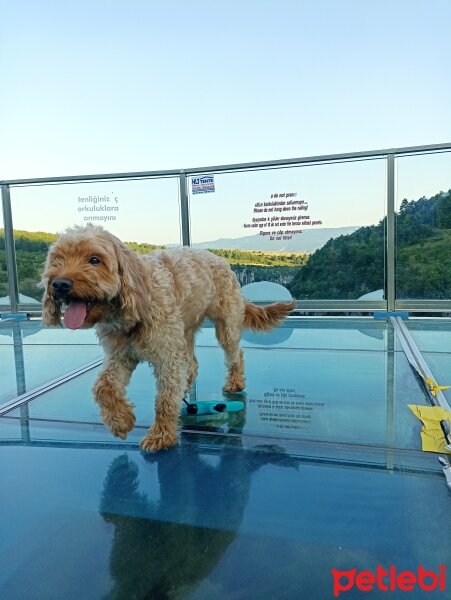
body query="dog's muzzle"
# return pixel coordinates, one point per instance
(62, 286)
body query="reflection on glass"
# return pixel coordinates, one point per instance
(423, 227)
(166, 547)
(4, 297)
(208, 520)
(143, 213)
(316, 230)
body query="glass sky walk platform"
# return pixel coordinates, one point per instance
(322, 469)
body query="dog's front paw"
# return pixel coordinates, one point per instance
(119, 419)
(158, 438)
(231, 387)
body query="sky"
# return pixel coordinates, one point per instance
(111, 86)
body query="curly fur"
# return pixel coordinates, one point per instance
(148, 309)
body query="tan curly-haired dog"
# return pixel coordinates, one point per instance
(147, 309)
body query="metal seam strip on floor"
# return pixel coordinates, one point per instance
(209, 448)
(419, 364)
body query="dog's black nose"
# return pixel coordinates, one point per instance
(62, 286)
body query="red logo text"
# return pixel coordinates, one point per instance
(389, 580)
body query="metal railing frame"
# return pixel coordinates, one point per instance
(389, 304)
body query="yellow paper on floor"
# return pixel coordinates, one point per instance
(432, 436)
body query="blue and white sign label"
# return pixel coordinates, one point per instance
(203, 185)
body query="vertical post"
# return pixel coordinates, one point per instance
(390, 289)
(390, 357)
(21, 385)
(10, 250)
(184, 210)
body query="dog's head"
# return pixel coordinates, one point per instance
(93, 274)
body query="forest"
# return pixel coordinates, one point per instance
(350, 266)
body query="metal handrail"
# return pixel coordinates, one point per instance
(236, 166)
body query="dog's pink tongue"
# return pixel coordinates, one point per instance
(75, 314)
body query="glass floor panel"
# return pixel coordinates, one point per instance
(202, 521)
(434, 341)
(32, 332)
(319, 333)
(321, 470)
(32, 366)
(339, 396)
(440, 365)
(431, 335)
(31, 356)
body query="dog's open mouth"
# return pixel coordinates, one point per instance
(76, 312)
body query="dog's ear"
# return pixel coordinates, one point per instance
(133, 296)
(51, 310)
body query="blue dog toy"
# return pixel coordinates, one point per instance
(210, 407)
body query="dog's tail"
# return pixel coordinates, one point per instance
(264, 318)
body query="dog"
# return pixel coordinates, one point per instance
(148, 309)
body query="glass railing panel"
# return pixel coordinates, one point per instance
(315, 230)
(423, 227)
(144, 213)
(4, 291)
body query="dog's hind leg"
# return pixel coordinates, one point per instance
(228, 333)
(109, 392)
(193, 365)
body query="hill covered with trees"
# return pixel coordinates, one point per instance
(252, 265)
(352, 265)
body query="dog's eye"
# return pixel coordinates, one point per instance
(94, 260)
